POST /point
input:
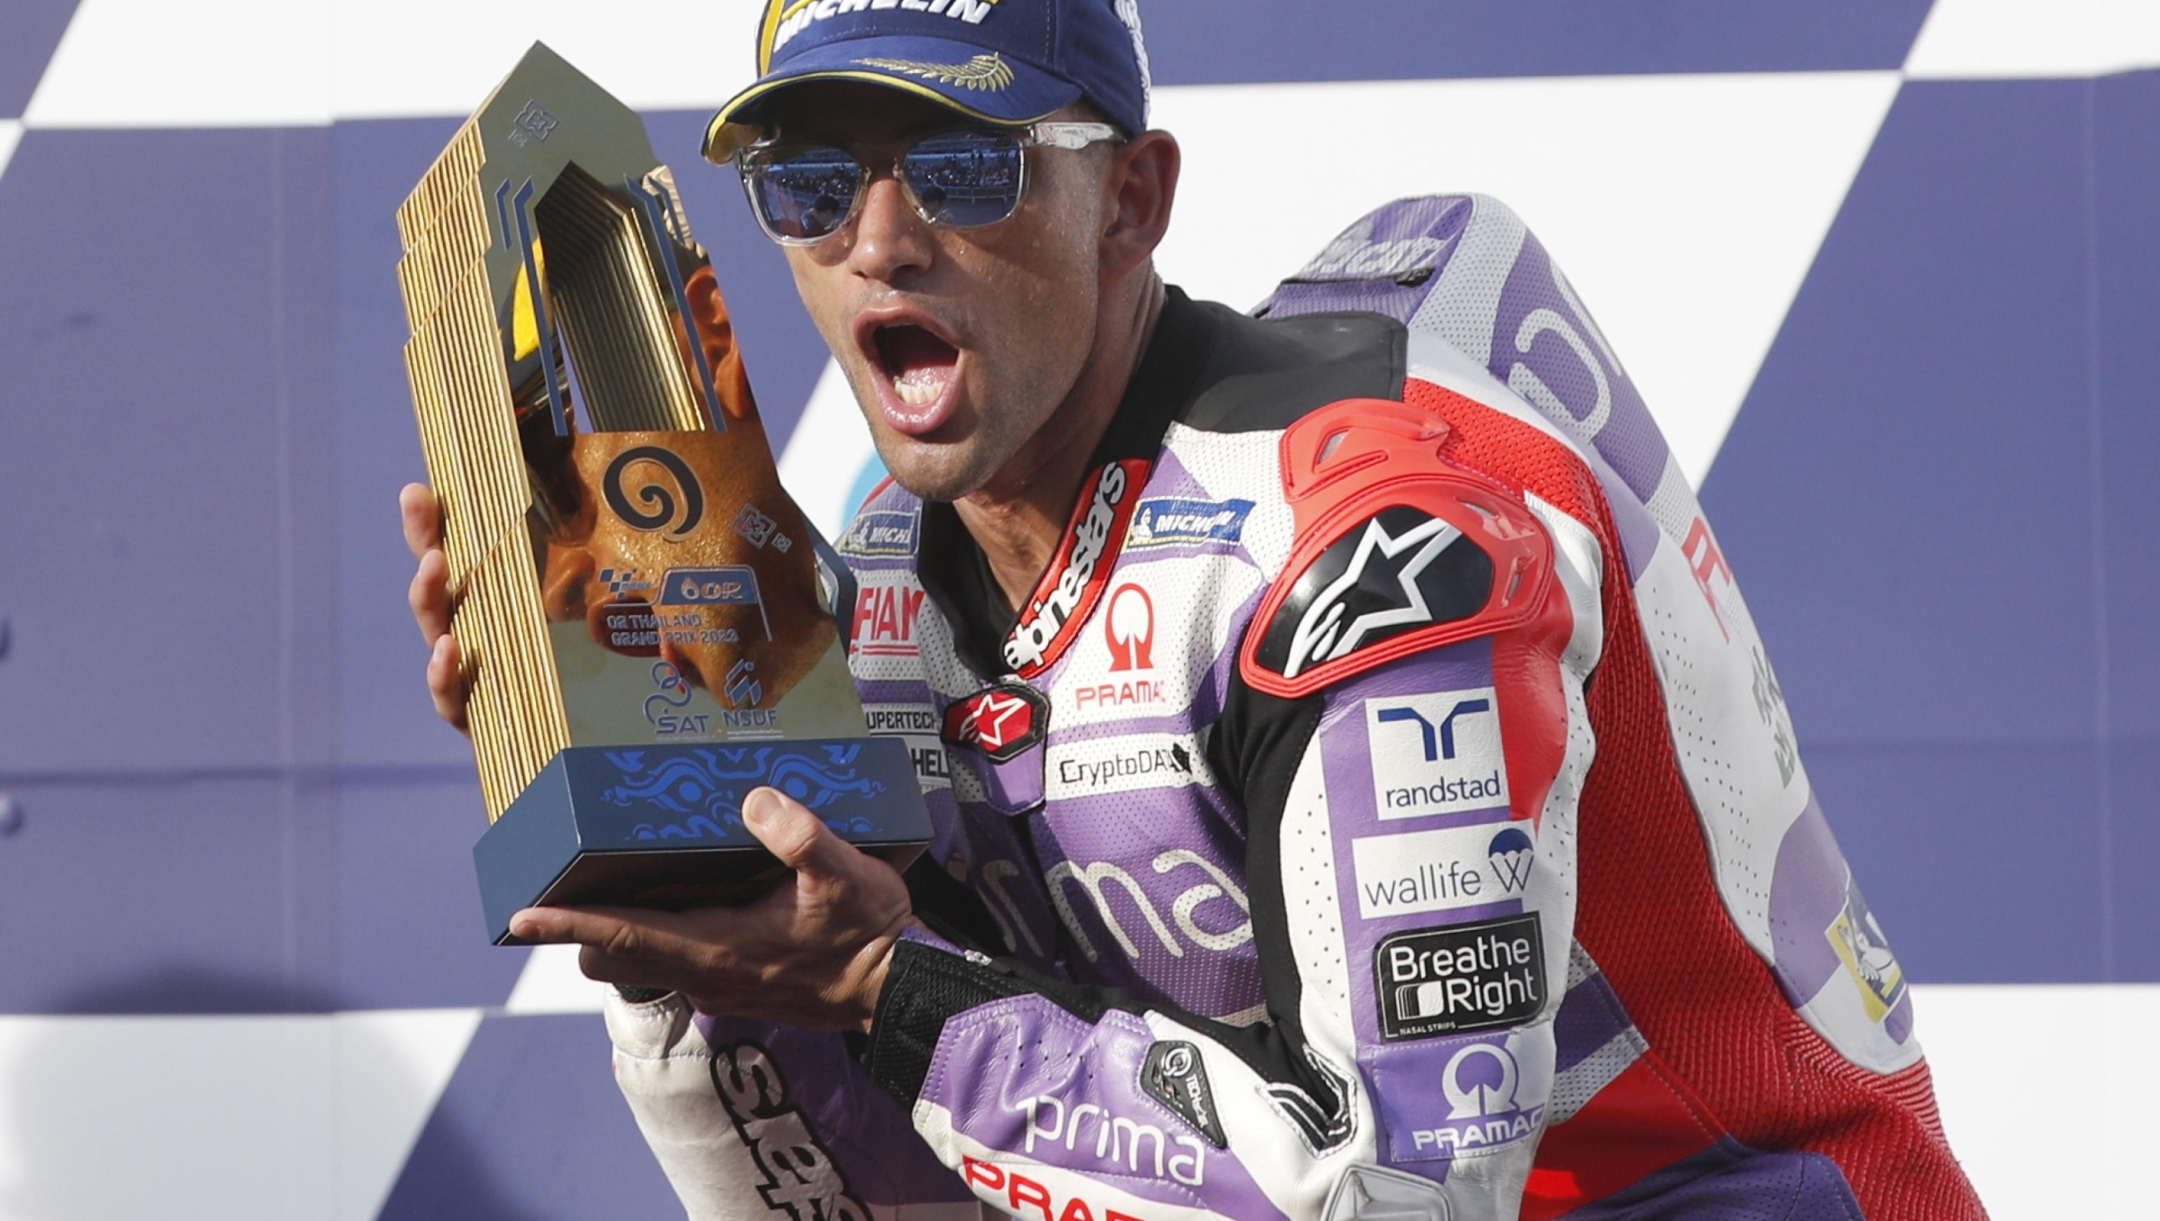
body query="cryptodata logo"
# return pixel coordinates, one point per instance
(1436, 754)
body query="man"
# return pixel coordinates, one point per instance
(1289, 861)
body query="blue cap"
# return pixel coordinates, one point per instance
(1008, 62)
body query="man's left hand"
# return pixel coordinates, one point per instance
(810, 952)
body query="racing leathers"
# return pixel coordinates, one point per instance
(1382, 807)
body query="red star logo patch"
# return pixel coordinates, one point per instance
(1000, 720)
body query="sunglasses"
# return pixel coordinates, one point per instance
(804, 193)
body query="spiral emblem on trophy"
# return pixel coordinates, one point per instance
(657, 508)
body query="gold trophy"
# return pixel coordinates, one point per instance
(646, 620)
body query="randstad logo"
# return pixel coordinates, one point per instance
(800, 15)
(1436, 754)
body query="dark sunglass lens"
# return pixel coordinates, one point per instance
(966, 177)
(807, 193)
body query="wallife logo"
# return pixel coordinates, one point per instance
(1445, 869)
(1436, 754)
(1461, 978)
(1129, 629)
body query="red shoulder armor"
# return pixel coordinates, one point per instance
(1397, 550)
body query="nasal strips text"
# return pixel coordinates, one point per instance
(1121, 764)
(1021, 1196)
(1033, 639)
(1132, 1146)
(800, 15)
(1436, 754)
(1442, 869)
(801, 1180)
(1478, 976)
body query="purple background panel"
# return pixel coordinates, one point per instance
(168, 893)
(1914, 497)
(2126, 286)
(29, 31)
(163, 386)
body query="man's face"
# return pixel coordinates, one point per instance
(958, 343)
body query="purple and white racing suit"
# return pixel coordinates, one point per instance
(1381, 808)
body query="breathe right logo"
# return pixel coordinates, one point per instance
(1436, 754)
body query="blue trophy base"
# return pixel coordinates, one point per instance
(661, 826)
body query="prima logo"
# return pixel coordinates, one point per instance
(1095, 879)
(1133, 1146)
(660, 508)
(1129, 629)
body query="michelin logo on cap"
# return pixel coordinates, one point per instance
(799, 16)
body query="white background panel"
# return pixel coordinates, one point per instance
(2020, 38)
(2050, 1093)
(312, 1117)
(213, 63)
(1685, 209)
(278, 1118)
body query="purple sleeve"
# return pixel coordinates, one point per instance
(755, 1121)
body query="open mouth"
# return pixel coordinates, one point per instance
(922, 369)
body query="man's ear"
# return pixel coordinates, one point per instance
(1143, 179)
(716, 335)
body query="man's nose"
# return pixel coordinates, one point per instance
(891, 238)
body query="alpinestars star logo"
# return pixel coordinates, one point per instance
(1402, 570)
(1000, 721)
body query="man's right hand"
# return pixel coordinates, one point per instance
(430, 599)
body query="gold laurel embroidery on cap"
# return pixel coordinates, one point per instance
(985, 72)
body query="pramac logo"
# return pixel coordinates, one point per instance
(658, 508)
(1129, 629)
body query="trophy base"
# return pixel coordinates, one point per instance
(661, 826)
